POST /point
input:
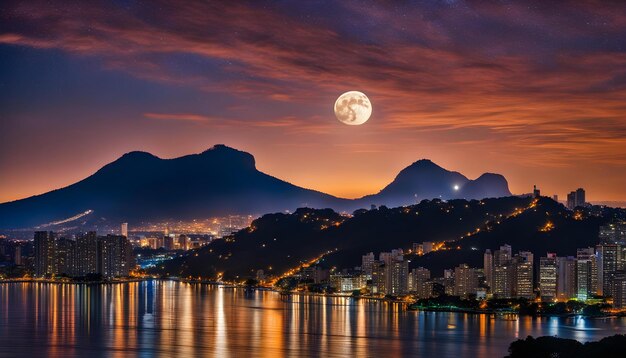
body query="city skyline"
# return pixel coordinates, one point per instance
(532, 91)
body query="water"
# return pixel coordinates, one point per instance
(164, 318)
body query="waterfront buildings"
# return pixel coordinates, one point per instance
(548, 271)
(566, 278)
(367, 264)
(586, 273)
(610, 260)
(87, 253)
(109, 256)
(465, 281)
(418, 282)
(488, 268)
(523, 283)
(396, 275)
(45, 253)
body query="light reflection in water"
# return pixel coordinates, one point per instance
(164, 318)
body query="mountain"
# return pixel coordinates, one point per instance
(277, 243)
(220, 181)
(282, 241)
(140, 186)
(426, 180)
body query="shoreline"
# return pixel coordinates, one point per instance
(70, 282)
(407, 306)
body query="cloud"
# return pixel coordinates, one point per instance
(545, 82)
(186, 117)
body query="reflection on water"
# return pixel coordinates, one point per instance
(164, 318)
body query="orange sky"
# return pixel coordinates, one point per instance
(536, 93)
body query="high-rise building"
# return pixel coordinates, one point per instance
(503, 255)
(610, 260)
(65, 257)
(523, 275)
(115, 256)
(378, 277)
(488, 268)
(448, 282)
(389, 257)
(555, 197)
(536, 192)
(548, 276)
(419, 278)
(566, 278)
(124, 230)
(367, 265)
(183, 242)
(503, 273)
(618, 288)
(17, 255)
(580, 197)
(571, 200)
(397, 273)
(586, 273)
(576, 198)
(465, 281)
(168, 243)
(45, 250)
(86, 254)
(614, 233)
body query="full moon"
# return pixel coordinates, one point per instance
(353, 108)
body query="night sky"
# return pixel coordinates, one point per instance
(534, 90)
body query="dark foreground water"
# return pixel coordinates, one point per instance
(163, 318)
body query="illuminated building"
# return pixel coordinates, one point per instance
(448, 282)
(396, 276)
(378, 277)
(17, 255)
(124, 230)
(65, 257)
(168, 243)
(45, 250)
(502, 274)
(115, 256)
(566, 278)
(418, 279)
(614, 233)
(618, 288)
(548, 276)
(488, 267)
(183, 242)
(610, 260)
(418, 249)
(523, 275)
(389, 257)
(465, 281)
(86, 254)
(586, 273)
(367, 264)
(347, 282)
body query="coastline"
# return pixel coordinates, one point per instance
(406, 305)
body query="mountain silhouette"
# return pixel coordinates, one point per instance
(221, 181)
(426, 180)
